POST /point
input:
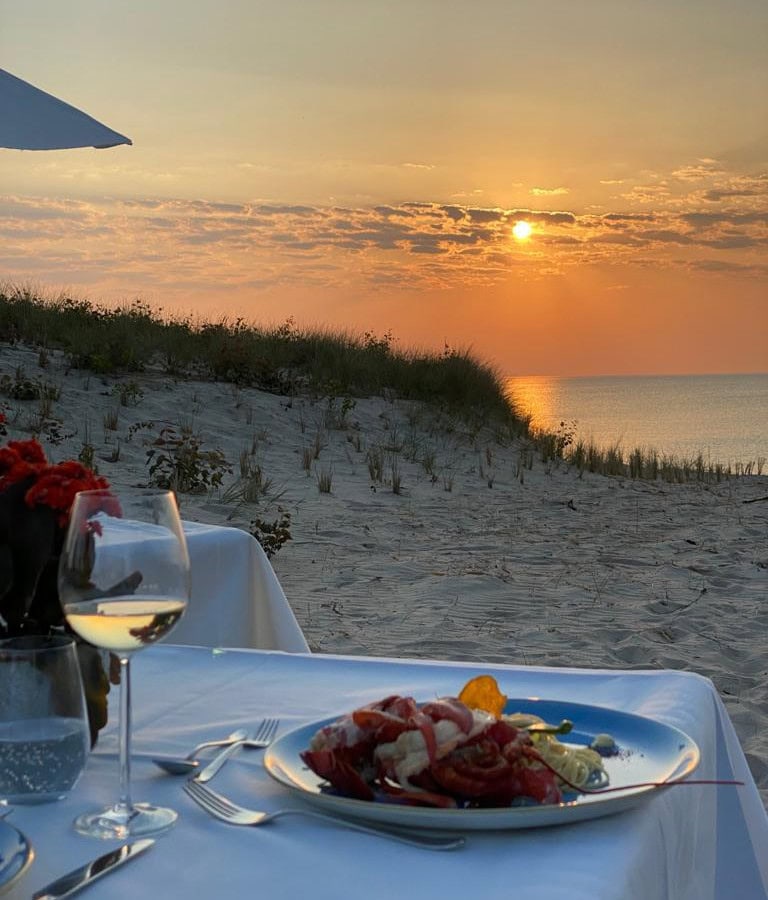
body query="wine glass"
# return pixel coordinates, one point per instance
(123, 584)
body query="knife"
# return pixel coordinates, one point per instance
(78, 878)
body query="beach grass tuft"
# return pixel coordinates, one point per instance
(643, 463)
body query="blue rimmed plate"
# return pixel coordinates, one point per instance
(648, 751)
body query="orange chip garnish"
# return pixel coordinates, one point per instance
(483, 693)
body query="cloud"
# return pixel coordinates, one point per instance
(628, 217)
(702, 168)
(666, 236)
(457, 213)
(120, 243)
(12, 207)
(739, 188)
(648, 193)
(276, 210)
(725, 217)
(477, 192)
(735, 241)
(727, 267)
(716, 195)
(485, 215)
(537, 215)
(393, 211)
(613, 239)
(549, 192)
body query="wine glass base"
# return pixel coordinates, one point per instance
(116, 823)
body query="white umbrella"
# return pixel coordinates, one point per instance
(30, 119)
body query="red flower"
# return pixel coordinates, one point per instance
(8, 459)
(19, 460)
(55, 486)
(30, 451)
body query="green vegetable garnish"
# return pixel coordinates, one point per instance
(542, 728)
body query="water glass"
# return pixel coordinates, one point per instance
(44, 737)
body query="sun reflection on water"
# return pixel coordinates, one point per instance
(535, 396)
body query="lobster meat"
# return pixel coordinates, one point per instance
(440, 754)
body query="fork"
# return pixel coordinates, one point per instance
(264, 734)
(222, 808)
(262, 737)
(208, 745)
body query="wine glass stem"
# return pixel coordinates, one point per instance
(124, 803)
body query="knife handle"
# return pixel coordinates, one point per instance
(81, 877)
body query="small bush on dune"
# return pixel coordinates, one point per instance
(272, 535)
(177, 462)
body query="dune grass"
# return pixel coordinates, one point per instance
(337, 365)
(283, 359)
(640, 463)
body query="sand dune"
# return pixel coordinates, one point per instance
(467, 548)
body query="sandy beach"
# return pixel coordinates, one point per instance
(436, 542)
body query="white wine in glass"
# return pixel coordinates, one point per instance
(123, 584)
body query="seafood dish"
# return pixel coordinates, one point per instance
(452, 752)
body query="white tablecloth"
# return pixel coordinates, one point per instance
(686, 843)
(236, 600)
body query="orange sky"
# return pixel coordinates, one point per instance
(362, 166)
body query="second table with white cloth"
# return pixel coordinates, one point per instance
(236, 599)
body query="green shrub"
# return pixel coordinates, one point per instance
(272, 535)
(177, 462)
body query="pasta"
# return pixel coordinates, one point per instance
(575, 766)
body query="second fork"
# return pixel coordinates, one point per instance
(262, 737)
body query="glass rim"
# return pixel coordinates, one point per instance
(35, 643)
(128, 492)
(125, 497)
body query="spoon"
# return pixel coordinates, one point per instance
(183, 765)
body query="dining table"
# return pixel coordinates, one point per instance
(690, 841)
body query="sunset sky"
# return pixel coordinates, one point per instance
(361, 164)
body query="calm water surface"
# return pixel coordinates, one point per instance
(723, 417)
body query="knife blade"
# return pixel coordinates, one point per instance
(78, 878)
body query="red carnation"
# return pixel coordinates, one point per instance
(57, 485)
(20, 460)
(30, 451)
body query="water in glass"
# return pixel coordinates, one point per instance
(44, 738)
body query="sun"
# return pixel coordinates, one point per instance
(522, 230)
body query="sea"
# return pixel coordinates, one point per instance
(722, 417)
